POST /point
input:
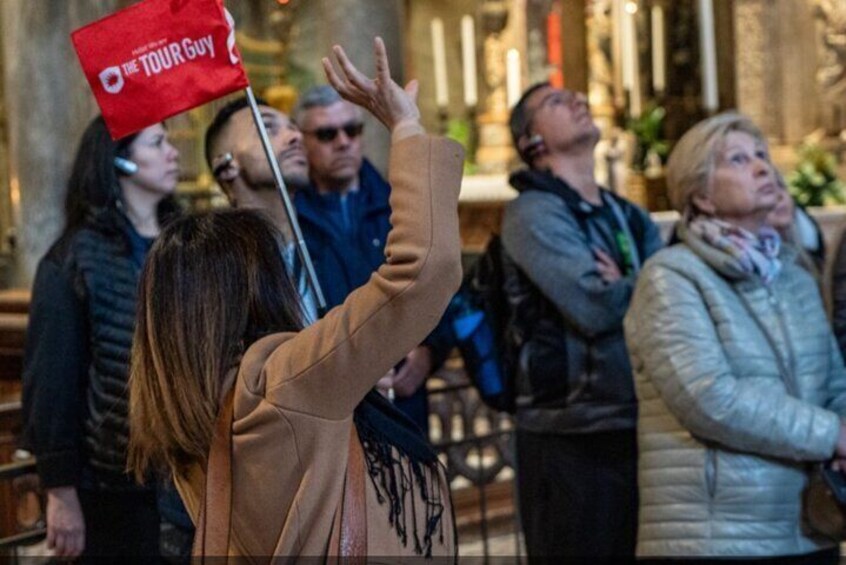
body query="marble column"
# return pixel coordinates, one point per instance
(324, 23)
(48, 105)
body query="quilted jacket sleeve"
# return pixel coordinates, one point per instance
(675, 345)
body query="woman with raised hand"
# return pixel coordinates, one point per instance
(277, 442)
(739, 381)
(79, 339)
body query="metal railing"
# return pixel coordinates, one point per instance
(477, 448)
(474, 442)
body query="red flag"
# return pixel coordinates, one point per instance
(158, 58)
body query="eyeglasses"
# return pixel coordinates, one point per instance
(328, 134)
(555, 98)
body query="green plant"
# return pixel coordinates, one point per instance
(461, 131)
(647, 129)
(814, 182)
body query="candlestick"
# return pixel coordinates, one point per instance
(707, 43)
(513, 81)
(439, 53)
(468, 59)
(659, 50)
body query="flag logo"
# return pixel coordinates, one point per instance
(158, 58)
(230, 40)
(112, 80)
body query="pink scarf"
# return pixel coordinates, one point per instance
(753, 254)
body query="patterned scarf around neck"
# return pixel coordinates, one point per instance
(752, 254)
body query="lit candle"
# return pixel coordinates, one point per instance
(628, 55)
(512, 77)
(468, 58)
(659, 50)
(439, 53)
(631, 70)
(707, 45)
(617, 49)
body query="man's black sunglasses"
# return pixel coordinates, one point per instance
(327, 134)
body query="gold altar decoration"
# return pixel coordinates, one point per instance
(494, 152)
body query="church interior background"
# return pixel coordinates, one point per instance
(651, 69)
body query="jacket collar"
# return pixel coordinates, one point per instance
(373, 194)
(543, 180)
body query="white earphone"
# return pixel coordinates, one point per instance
(126, 166)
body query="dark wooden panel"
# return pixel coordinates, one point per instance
(14, 305)
(14, 301)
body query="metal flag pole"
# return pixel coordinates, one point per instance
(286, 200)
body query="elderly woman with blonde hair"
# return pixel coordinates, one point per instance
(739, 382)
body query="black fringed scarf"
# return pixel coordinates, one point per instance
(399, 460)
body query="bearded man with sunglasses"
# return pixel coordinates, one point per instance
(580, 248)
(345, 218)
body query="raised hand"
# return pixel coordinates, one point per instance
(381, 96)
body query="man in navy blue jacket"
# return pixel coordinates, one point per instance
(345, 219)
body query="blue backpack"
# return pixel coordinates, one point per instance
(490, 320)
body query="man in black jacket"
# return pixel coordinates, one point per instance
(581, 247)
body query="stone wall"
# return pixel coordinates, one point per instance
(775, 65)
(48, 104)
(324, 23)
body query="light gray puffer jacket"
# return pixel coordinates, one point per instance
(723, 446)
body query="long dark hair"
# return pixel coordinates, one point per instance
(212, 285)
(93, 189)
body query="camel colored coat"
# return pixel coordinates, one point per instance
(295, 392)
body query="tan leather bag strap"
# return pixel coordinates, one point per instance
(349, 534)
(212, 535)
(349, 538)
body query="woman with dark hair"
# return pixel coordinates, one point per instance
(277, 442)
(79, 340)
